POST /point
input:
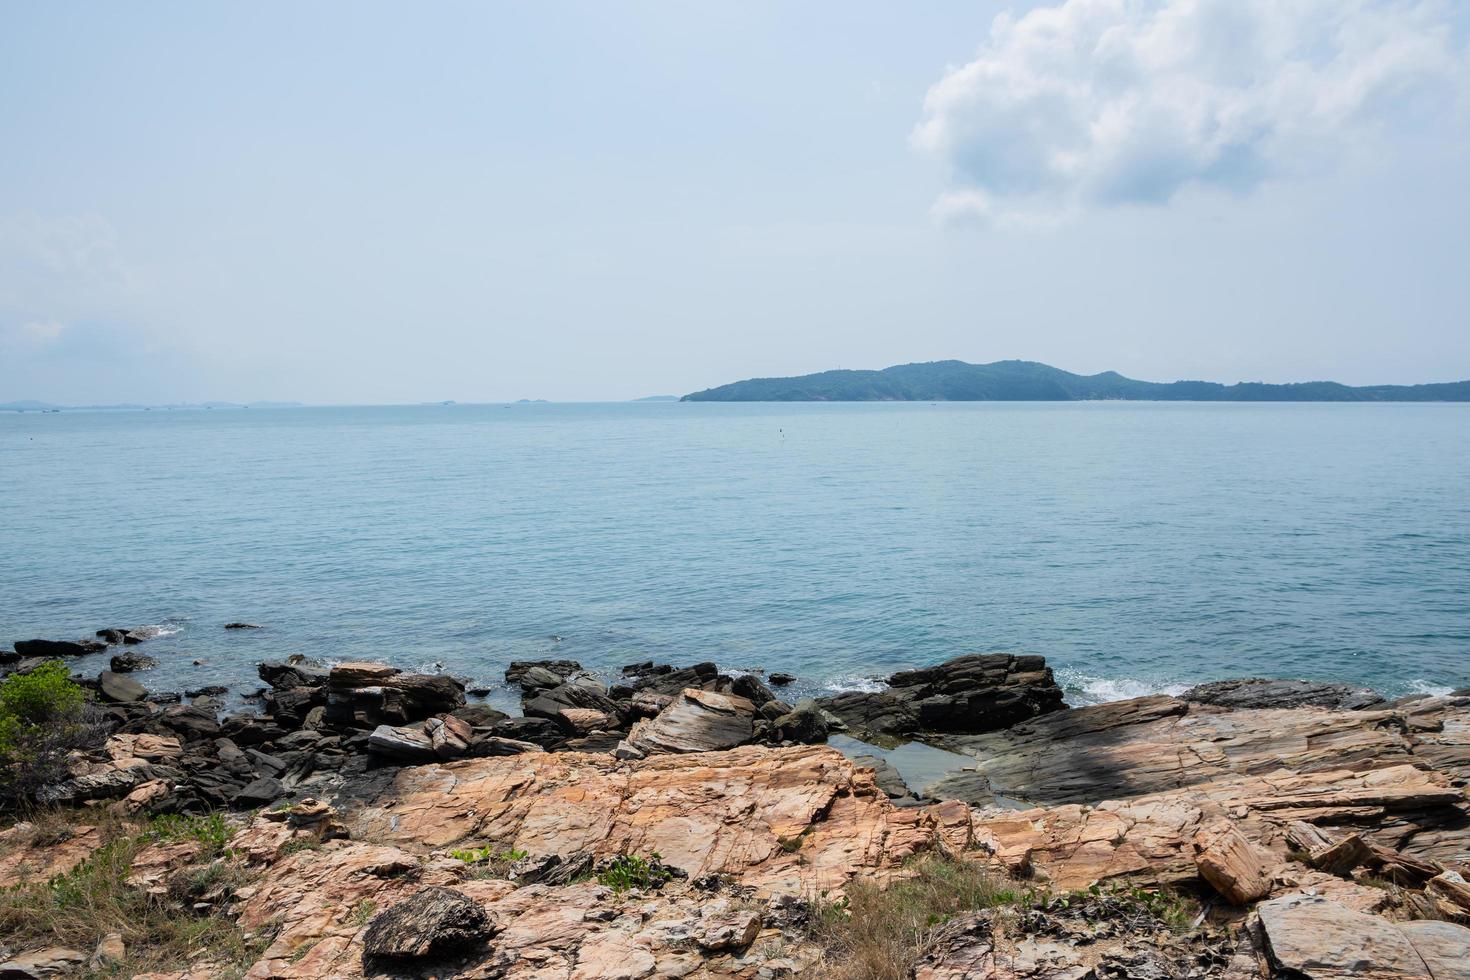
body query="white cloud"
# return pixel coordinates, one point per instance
(1129, 101)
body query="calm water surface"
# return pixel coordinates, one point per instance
(1138, 546)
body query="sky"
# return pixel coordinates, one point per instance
(359, 202)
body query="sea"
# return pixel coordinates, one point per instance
(1140, 547)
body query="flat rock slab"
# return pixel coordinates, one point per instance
(1315, 938)
(733, 812)
(1258, 692)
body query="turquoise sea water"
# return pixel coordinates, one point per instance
(1138, 546)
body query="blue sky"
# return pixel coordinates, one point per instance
(360, 202)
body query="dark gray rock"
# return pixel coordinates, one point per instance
(582, 693)
(191, 723)
(560, 669)
(390, 698)
(433, 925)
(700, 676)
(139, 634)
(284, 676)
(804, 723)
(541, 731)
(539, 678)
(479, 715)
(116, 687)
(291, 705)
(261, 792)
(57, 648)
(781, 680)
(243, 626)
(124, 663)
(970, 694)
(1259, 692)
(747, 686)
(110, 636)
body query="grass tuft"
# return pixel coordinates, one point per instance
(876, 933)
(160, 932)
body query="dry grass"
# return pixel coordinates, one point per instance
(879, 933)
(160, 932)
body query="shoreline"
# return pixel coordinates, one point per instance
(363, 821)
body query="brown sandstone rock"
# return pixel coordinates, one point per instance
(1232, 864)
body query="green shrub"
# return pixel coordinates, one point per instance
(43, 716)
(629, 872)
(212, 831)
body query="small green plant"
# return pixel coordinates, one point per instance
(629, 871)
(362, 912)
(43, 716)
(212, 831)
(487, 861)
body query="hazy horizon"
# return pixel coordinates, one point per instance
(374, 204)
(652, 396)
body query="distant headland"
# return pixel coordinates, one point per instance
(1032, 381)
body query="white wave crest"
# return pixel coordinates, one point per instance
(855, 682)
(1089, 689)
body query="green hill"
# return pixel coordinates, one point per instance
(1030, 381)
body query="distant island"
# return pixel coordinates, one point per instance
(957, 381)
(658, 398)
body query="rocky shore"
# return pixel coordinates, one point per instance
(684, 822)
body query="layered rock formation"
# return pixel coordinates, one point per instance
(1317, 838)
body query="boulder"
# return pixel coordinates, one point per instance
(124, 663)
(542, 731)
(292, 704)
(539, 671)
(356, 673)
(193, 723)
(479, 715)
(583, 693)
(696, 721)
(970, 694)
(243, 626)
(583, 721)
(1232, 864)
(110, 636)
(367, 695)
(56, 648)
(259, 792)
(781, 680)
(117, 688)
(671, 682)
(406, 742)
(434, 924)
(806, 723)
(723, 926)
(284, 676)
(140, 634)
(746, 686)
(448, 736)
(1257, 692)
